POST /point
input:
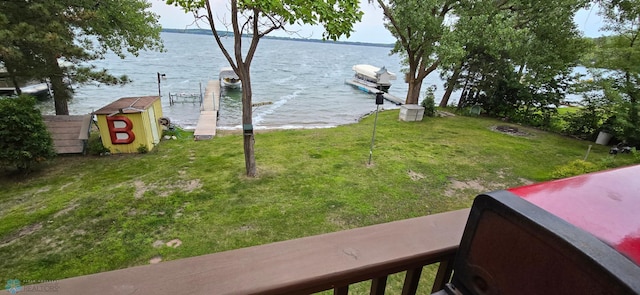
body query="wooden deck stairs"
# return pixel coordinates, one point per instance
(69, 133)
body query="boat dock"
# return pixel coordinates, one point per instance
(394, 99)
(207, 123)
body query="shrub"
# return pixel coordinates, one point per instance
(636, 154)
(24, 138)
(429, 102)
(95, 146)
(574, 168)
(143, 149)
(586, 122)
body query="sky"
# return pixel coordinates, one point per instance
(370, 29)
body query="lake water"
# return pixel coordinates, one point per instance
(304, 81)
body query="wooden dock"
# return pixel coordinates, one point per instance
(207, 123)
(69, 133)
(367, 89)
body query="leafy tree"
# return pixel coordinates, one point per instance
(257, 19)
(517, 59)
(597, 107)
(620, 55)
(24, 139)
(419, 29)
(35, 35)
(538, 38)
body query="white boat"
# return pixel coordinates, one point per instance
(229, 79)
(374, 77)
(38, 89)
(41, 90)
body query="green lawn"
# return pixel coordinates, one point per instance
(82, 215)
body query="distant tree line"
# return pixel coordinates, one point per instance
(230, 34)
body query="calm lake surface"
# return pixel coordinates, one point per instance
(304, 81)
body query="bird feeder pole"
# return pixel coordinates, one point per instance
(379, 101)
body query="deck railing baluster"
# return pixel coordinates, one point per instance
(378, 285)
(444, 274)
(411, 280)
(344, 290)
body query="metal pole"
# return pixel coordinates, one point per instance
(587, 155)
(373, 137)
(159, 95)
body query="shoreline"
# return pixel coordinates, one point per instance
(227, 130)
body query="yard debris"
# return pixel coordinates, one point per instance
(155, 259)
(175, 243)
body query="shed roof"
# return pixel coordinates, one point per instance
(128, 105)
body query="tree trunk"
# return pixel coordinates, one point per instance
(414, 91)
(451, 83)
(14, 79)
(465, 92)
(61, 93)
(415, 84)
(247, 122)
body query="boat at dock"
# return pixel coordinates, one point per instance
(37, 89)
(373, 77)
(229, 79)
(374, 80)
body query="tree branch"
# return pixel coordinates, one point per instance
(225, 52)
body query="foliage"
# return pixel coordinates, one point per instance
(419, 28)
(507, 97)
(95, 146)
(574, 168)
(428, 102)
(507, 43)
(142, 149)
(24, 138)
(619, 55)
(597, 108)
(176, 131)
(54, 40)
(636, 154)
(259, 18)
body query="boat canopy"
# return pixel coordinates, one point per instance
(227, 72)
(375, 73)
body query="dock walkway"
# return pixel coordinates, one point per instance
(207, 122)
(387, 96)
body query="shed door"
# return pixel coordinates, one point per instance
(154, 125)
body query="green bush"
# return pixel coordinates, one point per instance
(95, 146)
(429, 103)
(143, 149)
(636, 155)
(24, 138)
(586, 122)
(177, 132)
(574, 168)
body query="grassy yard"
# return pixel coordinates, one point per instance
(82, 215)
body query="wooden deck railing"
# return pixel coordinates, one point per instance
(302, 266)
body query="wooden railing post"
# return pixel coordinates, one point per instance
(344, 290)
(444, 274)
(378, 286)
(411, 281)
